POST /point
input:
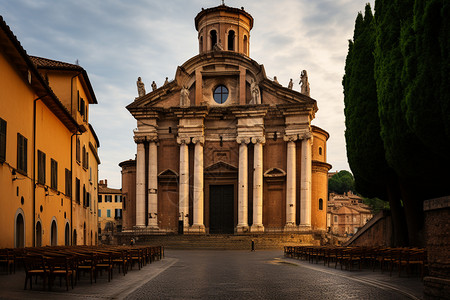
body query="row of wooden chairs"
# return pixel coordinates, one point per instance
(69, 262)
(385, 257)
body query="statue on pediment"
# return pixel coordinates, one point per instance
(166, 81)
(304, 89)
(290, 84)
(184, 97)
(254, 89)
(140, 87)
(154, 87)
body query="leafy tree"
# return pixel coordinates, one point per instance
(341, 182)
(376, 204)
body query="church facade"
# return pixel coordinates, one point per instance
(224, 149)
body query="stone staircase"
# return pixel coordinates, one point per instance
(221, 241)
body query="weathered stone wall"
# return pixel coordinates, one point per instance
(437, 235)
(377, 232)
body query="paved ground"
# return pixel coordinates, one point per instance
(210, 274)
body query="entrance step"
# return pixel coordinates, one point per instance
(221, 241)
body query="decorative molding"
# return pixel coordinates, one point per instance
(259, 139)
(243, 140)
(198, 139)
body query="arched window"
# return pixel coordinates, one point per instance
(320, 150)
(84, 234)
(38, 234)
(53, 234)
(20, 231)
(67, 235)
(231, 40)
(213, 38)
(320, 204)
(245, 45)
(201, 44)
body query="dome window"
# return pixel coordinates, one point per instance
(220, 94)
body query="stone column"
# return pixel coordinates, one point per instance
(183, 206)
(243, 187)
(290, 185)
(258, 186)
(198, 225)
(140, 185)
(153, 185)
(305, 192)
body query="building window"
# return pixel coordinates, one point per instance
(320, 150)
(54, 174)
(118, 198)
(99, 198)
(41, 167)
(78, 150)
(108, 198)
(84, 195)
(108, 213)
(22, 153)
(118, 213)
(124, 202)
(245, 45)
(231, 40)
(201, 44)
(84, 157)
(88, 199)
(213, 38)
(68, 182)
(335, 219)
(220, 94)
(77, 190)
(99, 214)
(2, 140)
(320, 204)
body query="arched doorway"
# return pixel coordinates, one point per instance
(38, 234)
(53, 234)
(74, 242)
(20, 231)
(67, 235)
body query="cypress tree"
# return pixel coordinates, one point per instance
(365, 152)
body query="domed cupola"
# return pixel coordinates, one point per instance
(224, 28)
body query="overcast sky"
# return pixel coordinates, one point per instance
(116, 41)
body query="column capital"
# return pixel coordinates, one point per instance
(291, 138)
(243, 140)
(259, 140)
(138, 139)
(198, 139)
(183, 140)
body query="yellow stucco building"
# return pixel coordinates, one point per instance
(48, 150)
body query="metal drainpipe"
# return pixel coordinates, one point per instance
(33, 178)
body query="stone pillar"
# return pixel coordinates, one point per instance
(258, 186)
(183, 206)
(153, 185)
(242, 86)
(140, 185)
(290, 185)
(198, 225)
(243, 187)
(305, 192)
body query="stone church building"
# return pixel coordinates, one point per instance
(224, 149)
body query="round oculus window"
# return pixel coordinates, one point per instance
(220, 94)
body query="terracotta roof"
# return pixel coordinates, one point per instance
(54, 64)
(50, 64)
(106, 190)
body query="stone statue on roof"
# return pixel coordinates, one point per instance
(154, 87)
(275, 80)
(140, 87)
(304, 89)
(290, 84)
(166, 81)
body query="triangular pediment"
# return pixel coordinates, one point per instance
(221, 167)
(168, 173)
(274, 172)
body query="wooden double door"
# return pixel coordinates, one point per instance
(221, 209)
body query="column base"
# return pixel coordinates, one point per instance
(257, 228)
(242, 229)
(291, 228)
(197, 229)
(304, 227)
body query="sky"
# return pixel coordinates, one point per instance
(116, 41)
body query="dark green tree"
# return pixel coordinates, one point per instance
(341, 183)
(365, 149)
